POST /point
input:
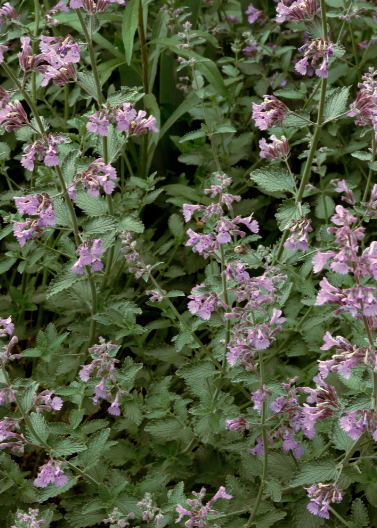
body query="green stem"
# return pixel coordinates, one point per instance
(265, 448)
(370, 170)
(34, 45)
(338, 516)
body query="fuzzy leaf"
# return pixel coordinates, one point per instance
(290, 210)
(336, 103)
(273, 180)
(316, 470)
(360, 513)
(91, 205)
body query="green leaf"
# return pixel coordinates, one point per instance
(40, 427)
(104, 493)
(4, 152)
(95, 447)
(6, 264)
(68, 446)
(340, 438)
(321, 211)
(75, 417)
(371, 493)
(103, 224)
(359, 154)
(86, 79)
(91, 205)
(69, 165)
(152, 106)
(316, 470)
(225, 129)
(336, 103)
(289, 94)
(121, 453)
(300, 120)
(360, 513)
(193, 135)
(290, 210)
(129, 25)
(270, 518)
(129, 223)
(176, 226)
(273, 488)
(61, 282)
(273, 180)
(77, 519)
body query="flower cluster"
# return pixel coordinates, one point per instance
(117, 520)
(365, 105)
(320, 497)
(126, 118)
(31, 518)
(254, 14)
(40, 206)
(46, 149)
(7, 14)
(150, 512)
(327, 405)
(277, 150)
(88, 256)
(358, 422)
(314, 51)
(104, 361)
(6, 326)
(270, 113)
(97, 175)
(199, 512)
(203, 304)
(50, 21)
(13, 115)
(299, 237)
(61, 53)
(297, 12)
(51, 473)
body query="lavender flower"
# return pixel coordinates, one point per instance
(97, 175)
(46, 149)
(31, 519)
(315, 50)
(270, 113)
(299, 238)
(7, 326)
(199, 511)
(7, 14)
(277, 150)
(116, 518)
(39, 205)
(127, 119)
(297, 12)
(237, 424)
(150, 512)
(50, 21)
(13, 116)
(320, 497)
(88, 252)
(51, 473)
(255, 14)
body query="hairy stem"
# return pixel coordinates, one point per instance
(265, 449)
(370, 173)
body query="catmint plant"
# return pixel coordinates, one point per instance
(188, 264)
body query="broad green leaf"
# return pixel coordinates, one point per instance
(91, 205)
(193, 135)
(336, 103)
(129, 223)
(62, 281)
(273, 180)
(40, 427)
(87, 81)
(176, 225)
(290, 210)
(360, 513)
(4, 152)
(317, 470)
(129, 25)
(325, 207)
(273, 488)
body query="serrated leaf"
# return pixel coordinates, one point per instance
(360, 513)
(176, 225)
(103, 224)
(4, 152)
(129, 223)
(336, 103)
(86, 79)
(91, 205)
(69, 165)
(359, 154)
(316, 470)
(77, 519)
(324, 212)
(273, 180)
(61, 282)
(95, 447)
(273, 488)
(303, 518)
(297, 120)
(371, 493)
(40, 426)
(290, 210)
(289, 94)
(104, 493)
(193, 135)
(68, 446)
(270, 518)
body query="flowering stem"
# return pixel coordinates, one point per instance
(370, 170)
(355, 446)
(265, 449)
(35, 34)
(338, 516)
(34, 432)
(28, 99)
